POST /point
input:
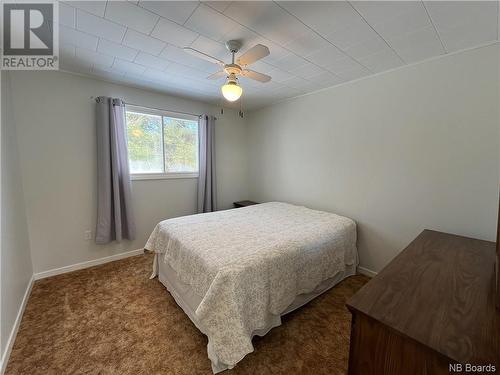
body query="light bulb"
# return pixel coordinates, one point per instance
(231, 91)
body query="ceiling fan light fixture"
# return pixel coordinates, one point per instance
(231, 90)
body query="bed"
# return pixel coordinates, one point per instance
(236, 272)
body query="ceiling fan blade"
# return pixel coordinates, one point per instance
(203, 56)
(256, 75)
(217, 75)
(253, 54)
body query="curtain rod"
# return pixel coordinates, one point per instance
(157, 109)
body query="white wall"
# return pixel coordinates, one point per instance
(16, 268)
(399, 152)
(56, 131)
(402, 151)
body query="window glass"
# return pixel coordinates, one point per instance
(161, 144)
(145, 146)
(181, 145)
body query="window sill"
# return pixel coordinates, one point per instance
(162, 176)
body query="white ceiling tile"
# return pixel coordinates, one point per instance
(342, 65)
(279, 75)
(463, 24)
(67, 15)
(93, 57)
(75, 65)
(177, 11)
(210, 23)
(449, 14)
(176, 54)
(420, 52)
(379, 12)
(142, 42)
(268, 86)
(325, 80)
(157, 75)
(99, 26)
(173, 33)
(178, 69)
(349, 75)
(417, 45)
(296, 82)
(300, 59)
(467, 36)
(151, 61)
(325, 17)
(307, 43)
(77, 38)
(325, 56)
(128, 67)
(248, 12)
(381, 61)
(405, 23)
(358, 32)
(291, 62)
(243, 34)
(106, 73)
(220, 6)
(128, 14)
(95, 7)
(118, 50)
(307, 71)
(211, 48)
(366, 48)
(268, 19)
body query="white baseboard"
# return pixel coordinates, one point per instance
(15, 328)
(87, 264)
(366, 272)
(40, 275)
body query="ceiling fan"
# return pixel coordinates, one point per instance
(232, 90)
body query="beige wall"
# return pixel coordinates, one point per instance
(16, 268)
(56, 132)
(399, 152)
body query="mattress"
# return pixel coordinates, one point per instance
(236, 272)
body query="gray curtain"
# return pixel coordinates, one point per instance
(114, 206)
(207, 192)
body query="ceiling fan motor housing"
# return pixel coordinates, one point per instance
(232, 69)
(233, 45)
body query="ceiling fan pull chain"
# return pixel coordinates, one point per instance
(221, 104)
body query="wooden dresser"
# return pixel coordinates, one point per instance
(433, 306)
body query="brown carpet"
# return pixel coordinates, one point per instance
(112, 319)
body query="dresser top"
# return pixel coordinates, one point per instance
(440, 292)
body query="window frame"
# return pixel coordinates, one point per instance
(164, 113)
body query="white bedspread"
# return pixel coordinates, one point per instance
(248, 264)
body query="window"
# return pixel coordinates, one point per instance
(161, 144)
